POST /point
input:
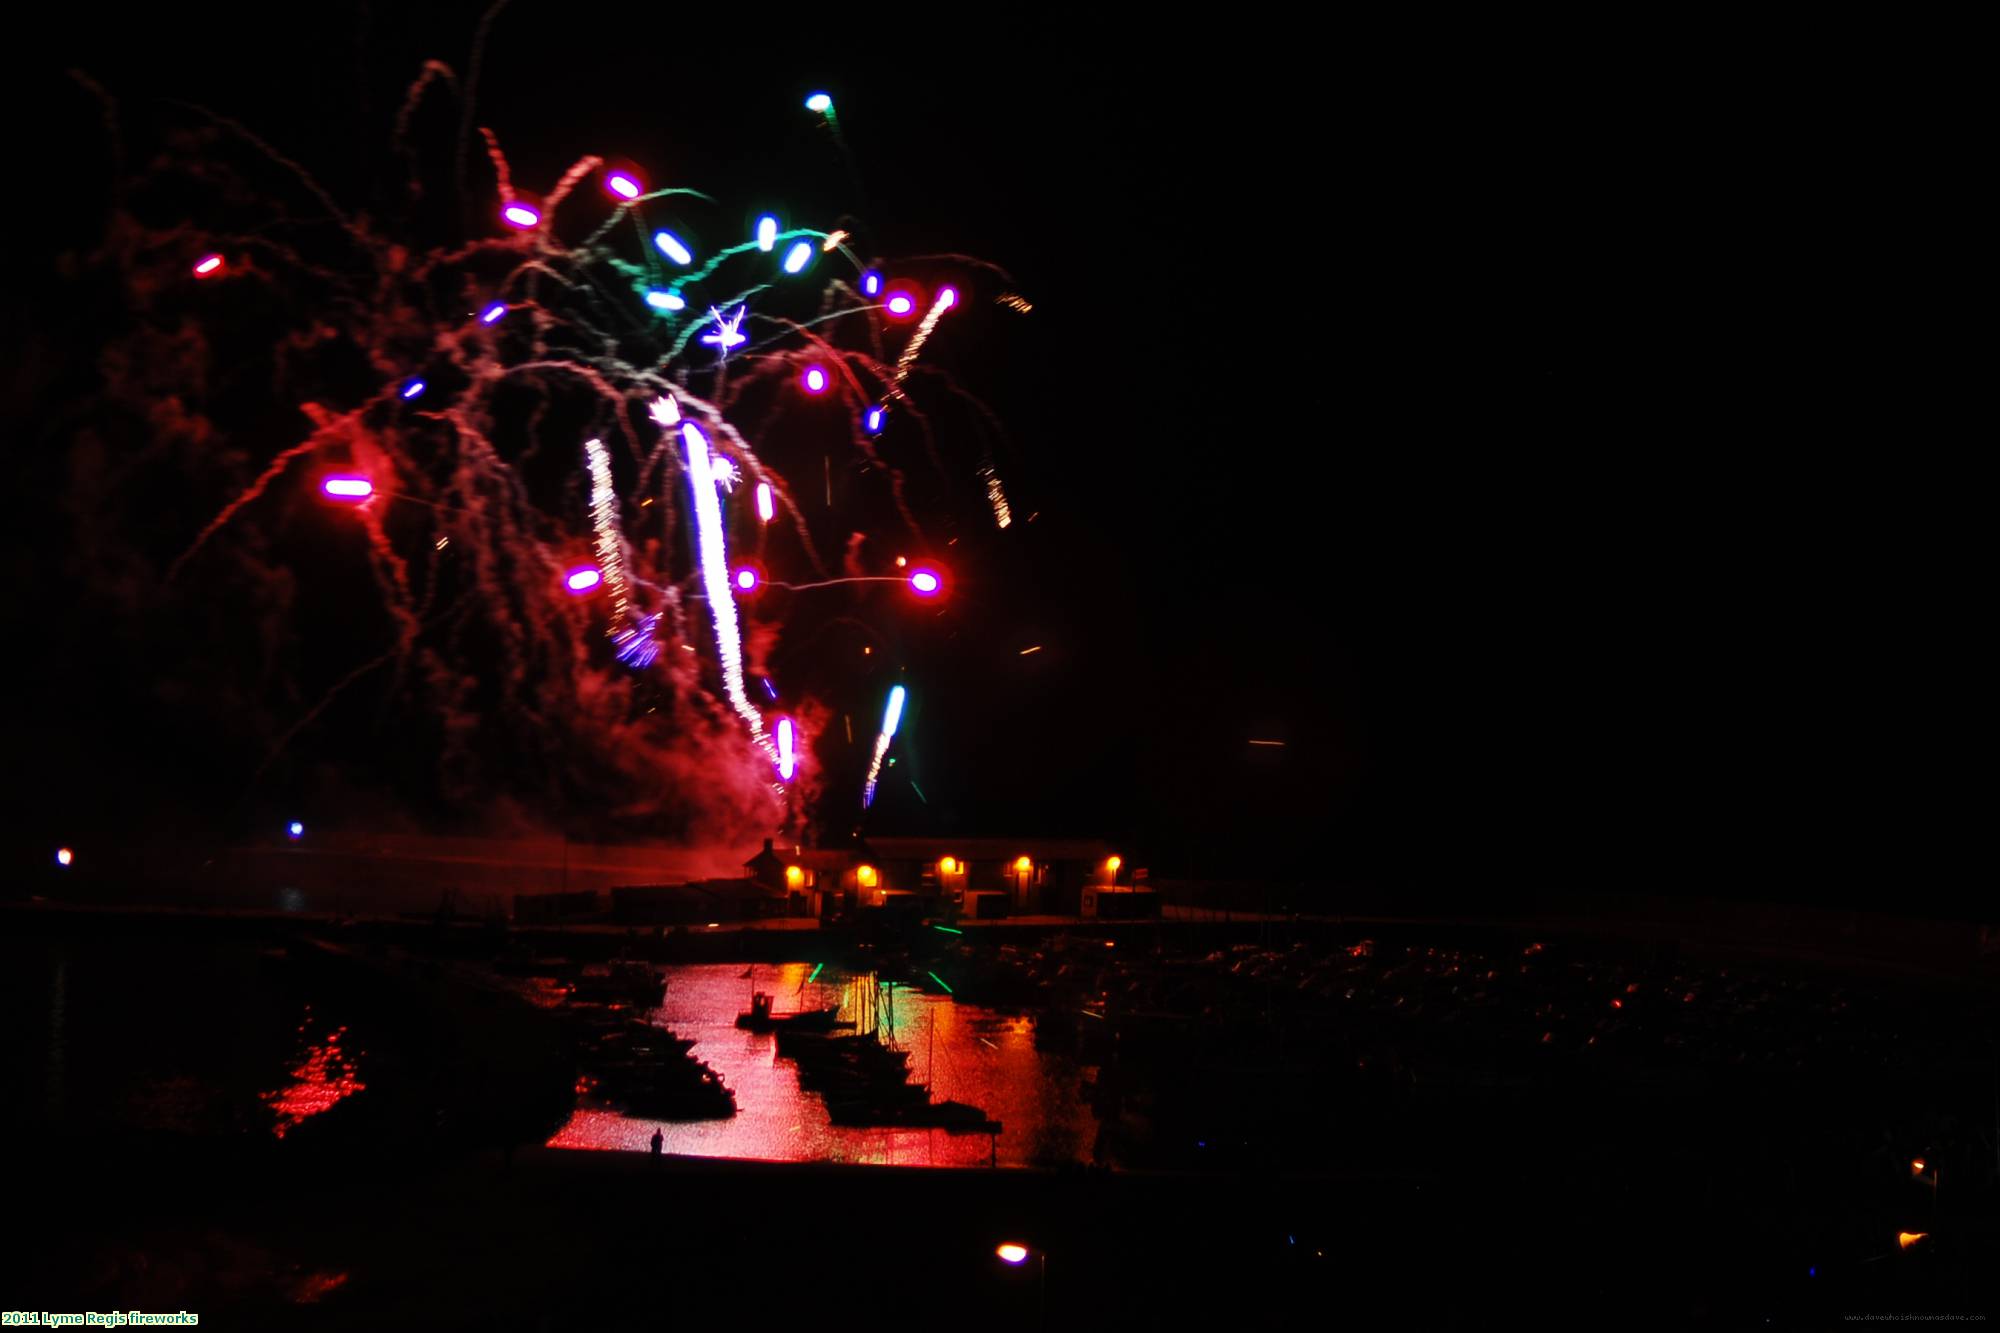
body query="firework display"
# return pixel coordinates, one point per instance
(670, 357)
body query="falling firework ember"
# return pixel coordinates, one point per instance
(564, 321)
(891, 717)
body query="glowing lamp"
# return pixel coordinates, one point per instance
(902, 305)
(798, 256)
(745, 579)
(414, 389)
(1012, 1253)
(1905, 1239)
(925, 582)
(1917, 1166)
(622, 185)
(767, 233)
(1022, 865)
(819, 102)
(670, 246)
(491, 314)
(207, 265)
(795, 878)
(295, 830)
(347, 488)
(865, 877)
(765, 510)
(520, 215)
(947, 865)
(871, 283)
(64, 856)
(815, 380)
(872, 421)
(660, 300)
(894, 713)
(1112, 863)
(584, 579)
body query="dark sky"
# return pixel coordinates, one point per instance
(1428, 412)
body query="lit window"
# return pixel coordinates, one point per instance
(865, 877)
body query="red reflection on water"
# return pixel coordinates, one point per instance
(324, 1077)
(314, 1286)
(963, 1052)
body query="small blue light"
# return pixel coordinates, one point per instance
(819, 102)
(670, 246)
(798, 256)
(872, 423)
(767, 233)
(660, 300)
(491, 314)
(1812, 1272)
(296, 829)
(413, 389)
(871, 283)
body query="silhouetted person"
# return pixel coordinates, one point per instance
(659, 1141)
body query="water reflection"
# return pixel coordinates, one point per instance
(323, 1077)
(964, 1053)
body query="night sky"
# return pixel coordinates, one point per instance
(1432, 417)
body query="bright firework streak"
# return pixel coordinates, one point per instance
(871, 283)
(413, 389)
(725, 335)
(638, 647)
(664, 411)
(492, 314)
(604, 519)
(666, 300)
(295, 830)
(207, 265)
(815, 380)
(902, 304)
(890, 717)
(622, 185)
(925, 582)
(767, 233)
(820, 102)
(946, 298)
(798, 256)
(872, 423)
(996, 497)
(766, 511)
(788, 763)
(65, 857)
(715, 581)
(520, 215)
(832, 241)
(670, 246)
(583, 580)
(746, 579)
(347, 488)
